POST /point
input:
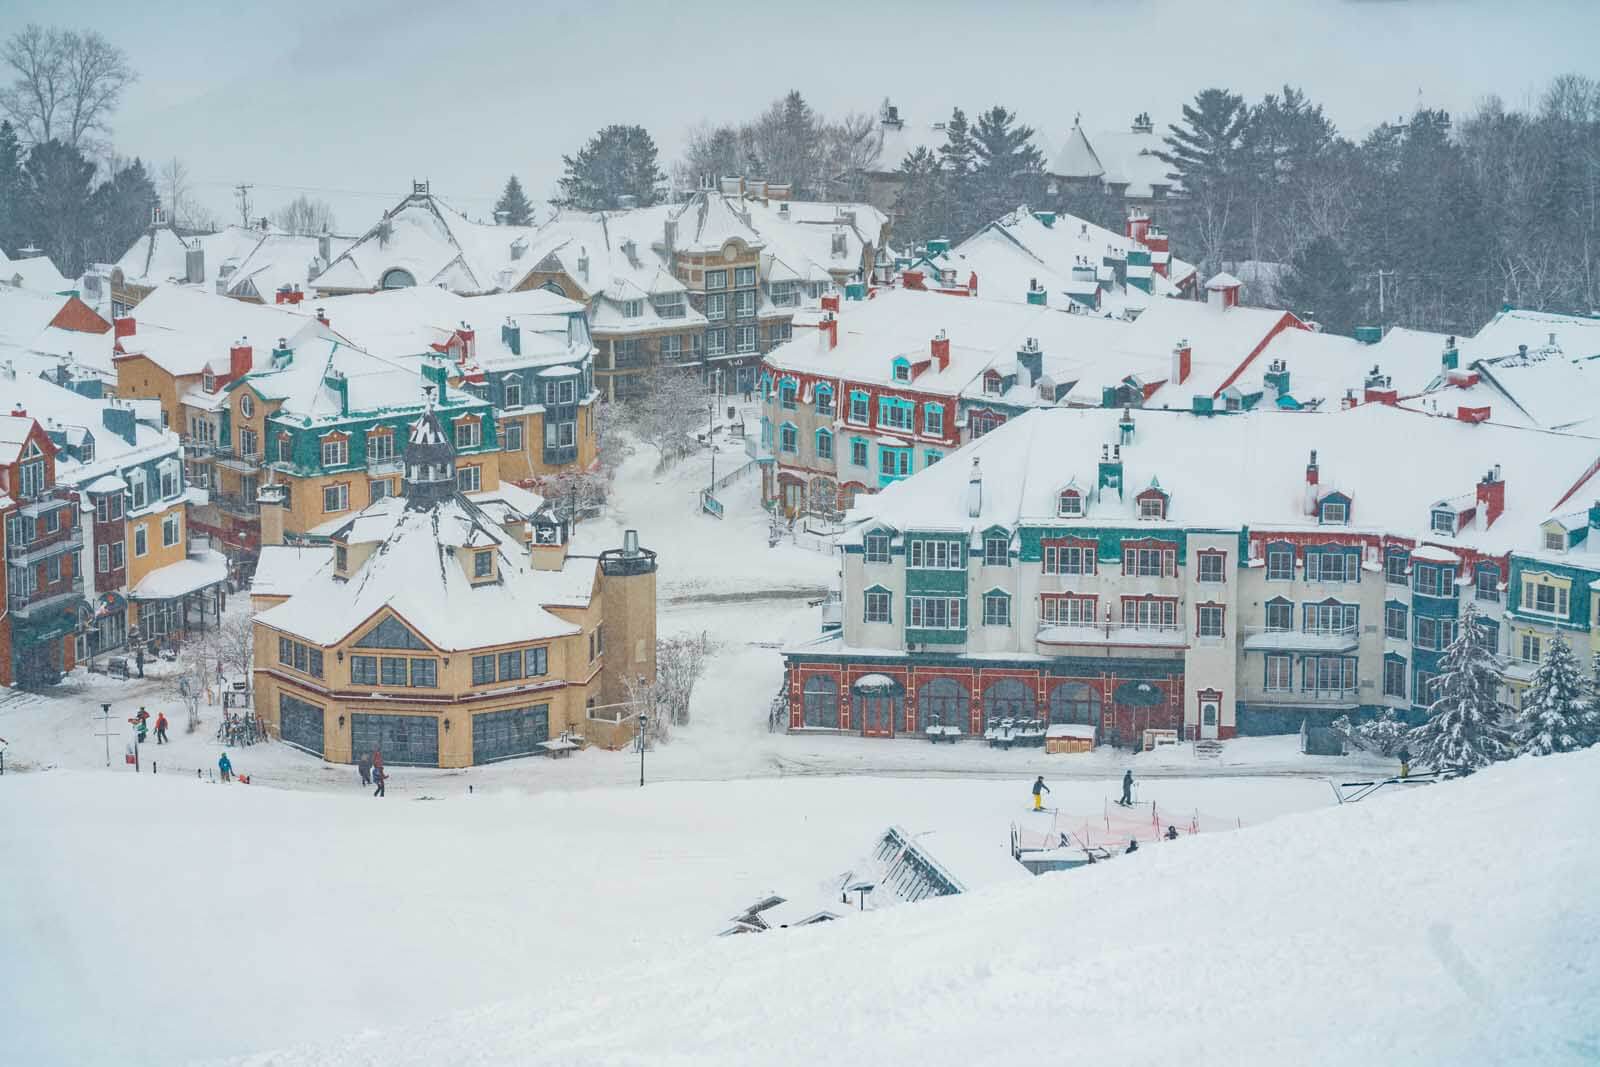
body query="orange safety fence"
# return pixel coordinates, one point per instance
(1116, 826)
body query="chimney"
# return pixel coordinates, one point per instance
(1312, 477)
(972, 284)
(1594, 524)
(124, 326)
(194, 266)
(669, 236)
(1277, 378)
(1492, 496)
(1472, 416)
(1032, 357)
(828, 332)
(1138, 226)
(830, 302)
(322, 316)
(941, 350)
(239, 361)
(1380, 388)
(1125, 429)
(511, 336)
(1037, 294)
(1451, 360)
(1182, 362)
(975, 490)
(469, 340)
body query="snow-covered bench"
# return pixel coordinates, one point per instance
(938, 733)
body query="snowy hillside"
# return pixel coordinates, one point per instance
(189, 920)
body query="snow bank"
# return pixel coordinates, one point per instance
(1451, 924)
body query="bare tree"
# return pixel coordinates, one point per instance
(667, 415)
(306, 216)
(67, 83)
(851, 147)
(183, 210)
(680, 661)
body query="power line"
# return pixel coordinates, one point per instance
(390, 194)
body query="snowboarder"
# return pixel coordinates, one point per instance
(1172, 833)
(365, 767)
(1405, 762)
(1133, 846)
(161, 728)
(1039, 789)
(139, 726)
(225, 766)
(379, 777)
(1127, 789)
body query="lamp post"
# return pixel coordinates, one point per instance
(644, 723)
(711, 439)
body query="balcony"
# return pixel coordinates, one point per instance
(35, 551)
(1054, 635)
(31, 605)
(235, 504)
(48, 501)
(1317, 639)
(380, 465)
(235, 462)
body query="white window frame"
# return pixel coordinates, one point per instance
(335, 451)
(340, 498)
(468, 433)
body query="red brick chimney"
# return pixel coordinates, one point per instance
(1312, 478)
(1472, 415)
(912, 279)
(469, 340)
(941, 350)
(124, 326)
(1492, 496)
(239, 361)
(1182, 362)
(830, 330)
(1138, 226)
(322, 316)
(972, 284)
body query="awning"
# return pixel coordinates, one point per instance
(874, 683)
(182, 578)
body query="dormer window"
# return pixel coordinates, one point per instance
(1555, 540)
(208, 382)
(1335, 511)
(902, 370)
(1445, 522)
(632, 309)
(247, 404)
(513, 394)
(341, 558)
(1069, 505)
(991, 384)
(483, 564)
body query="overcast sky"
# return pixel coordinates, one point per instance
(350, 99)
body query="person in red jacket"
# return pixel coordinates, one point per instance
(161, 728)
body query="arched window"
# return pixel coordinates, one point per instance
(941, 702)
(1007, 699)
(552, 287)
(397, 278)
(1074, 702)
(821, 699)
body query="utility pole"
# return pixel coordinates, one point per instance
(105, 720)
(241, 193)
(1382, 274)
(711, 439)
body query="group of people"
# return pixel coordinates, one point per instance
(141, 724)
(1125, 801)
(372, 772)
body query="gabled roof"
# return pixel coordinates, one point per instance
(1077, 158)
(183, 329)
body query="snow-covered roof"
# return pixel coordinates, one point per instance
(277, 260)
(1577, 336)
(183, 577)
(412, 571)
(161, 256)
(283, 570)
(1077, 158)
(68, 413)
(36, 273)
(1129, 156)
(372, 384)
(184, 329)
(1248, 470)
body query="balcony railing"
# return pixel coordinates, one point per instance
(1310, 639)
(385, 464)
(34, 551)
(234, 504)
(27, 605)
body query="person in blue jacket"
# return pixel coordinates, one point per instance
(225, 766)
(1039, 789)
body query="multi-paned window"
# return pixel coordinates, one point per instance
(788, 394)
(934, 613)
(933, 420)
(1280, 616)
(824, 444)
(1326, 618)
(1555, 540)
(300, 657)
(1530, 648)
(335, 452)
(744, 277)
(469, 433)
(716, 279)
(860, 403)
(1434, 634)
(171, 529)
(894, 413)
(716, 306)
(1150, 562)
(1150, 613)
(1279, 674)
(932, 553)
(858, 452)
(716, 342)
(788, 438)
(1394, 568)
(876, 547)
(510, 665)
(512, 434)
(1211, 566)
(744, 307)
(1209, 620)
(996, 609)
(1427, 687)
(875, 604)
(1544, 598)
(996, 550)
(1069, 558)
(824, 400)
(1069, 505)
(1431, 580)
(1487, 586)
(1333, 511)
(336, 497)
(1153, 507)
(744, 339)
(1329, 674)
(1067, 610)
(1396, 621)
(1280, 563)
(1338, 565)
(380, 444)
(469, 479)
(1394, 676)
(894, 462)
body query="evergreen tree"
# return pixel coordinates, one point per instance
(120, 209)
(513, 208)
(1208, 158)
(920, 208)
(57, 187)
(11, 188)
(958, 157)
(1320, 285)
(1009, 168)
(1463, 731)
(1552, 708)
(618, 161)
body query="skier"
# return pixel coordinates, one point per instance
(1039, 789)
(1133, 846)
(161, 728)
(379, 777)
(1172, 833)
(1405, 763)
(365, 767)
(1127, 789)
(225, 766)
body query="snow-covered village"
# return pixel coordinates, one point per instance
(515, 555)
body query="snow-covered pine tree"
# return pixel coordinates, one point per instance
(1553, 706)
(1463, 731)
(1587, 728)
